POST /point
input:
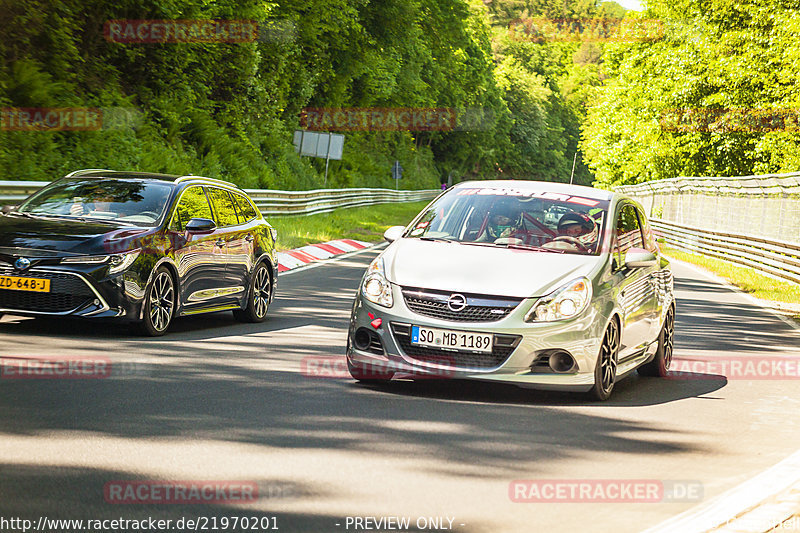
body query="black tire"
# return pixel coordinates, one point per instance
(605, 371)
(364, 375)
(258, 297)
(159, 304)
(659, 366)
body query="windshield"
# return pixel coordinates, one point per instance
(517, 218)
(128, 201)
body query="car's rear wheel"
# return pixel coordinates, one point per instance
(159, 304)
(605, 371)
(258, 298)
(659, 366)
(368, 375)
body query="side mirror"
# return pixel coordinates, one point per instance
(639, 258)
(393, 233)
(200, 225)
(8, 208)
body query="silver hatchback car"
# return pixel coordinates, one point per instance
(484, 285)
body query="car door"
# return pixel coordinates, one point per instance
(659, 278)
(236, 243)
(198, 256)
(243, 258)
(634, 285)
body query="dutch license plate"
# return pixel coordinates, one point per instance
(453, 340)
(24, 284)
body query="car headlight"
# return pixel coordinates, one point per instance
(565, 302)
(117, 262)
(375, 287)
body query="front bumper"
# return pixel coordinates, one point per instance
(79, 291)
(524, 346)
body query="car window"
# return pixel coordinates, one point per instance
(629, 233)
(193, 204)
(133, 201)
(247, 210)
(514, 217)
(649, 239)
(223, 207)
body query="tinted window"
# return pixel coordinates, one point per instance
(247, 211)
(223, 207)
(193, 204)
(629, 233)
(132, 201)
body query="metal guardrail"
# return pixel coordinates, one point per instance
(271, 202)
(775, 258)
(765, 205)
(752, 220)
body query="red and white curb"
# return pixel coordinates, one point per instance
(316, 252)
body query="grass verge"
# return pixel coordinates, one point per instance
(772, 291)
(359, 223)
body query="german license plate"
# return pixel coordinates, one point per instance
(453, 340)
(24, 284)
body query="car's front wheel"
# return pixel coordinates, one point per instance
(258, 297)
(605, 371)
(659, 366)
(159, 304)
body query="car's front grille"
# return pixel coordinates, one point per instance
(502, 347)
(67, 293)
(477, 308)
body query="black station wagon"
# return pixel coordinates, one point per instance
(138, 247)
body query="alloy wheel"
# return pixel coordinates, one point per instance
(162, 301)
(608, 357)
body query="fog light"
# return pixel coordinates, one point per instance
(362, 339)
(561, 362)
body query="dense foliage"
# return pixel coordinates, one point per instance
(228, 110)
(717, 96)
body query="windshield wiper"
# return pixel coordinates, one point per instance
(71, 217)
(438, 239)
(522, 246)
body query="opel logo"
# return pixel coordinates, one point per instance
(22, 263)
(457, 302)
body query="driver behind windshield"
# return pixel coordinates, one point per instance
(100, 203)
(505, 219)
(582, 228)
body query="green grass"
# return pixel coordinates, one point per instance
(746, 279)
(359, 223)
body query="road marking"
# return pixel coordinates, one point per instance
(737, 502)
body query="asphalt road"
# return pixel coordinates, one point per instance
(219, 400)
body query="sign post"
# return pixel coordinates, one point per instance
(397, 174)
(314, 144)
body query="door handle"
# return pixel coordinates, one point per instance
(220, 243)
(249, 238)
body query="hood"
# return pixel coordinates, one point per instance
(482, 269)
(39, 237)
